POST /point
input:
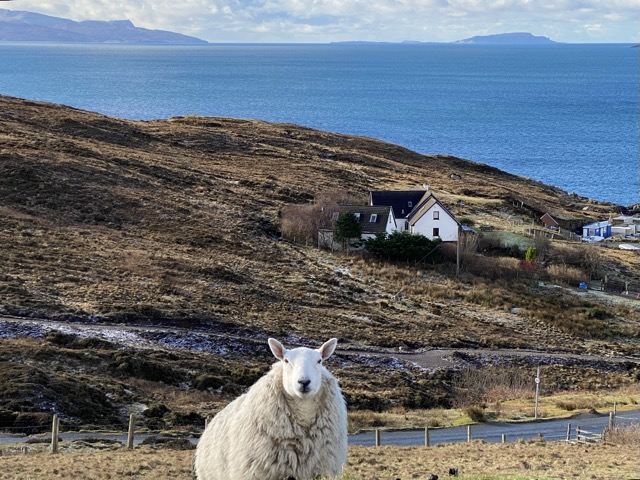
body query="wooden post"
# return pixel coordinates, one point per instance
(537, 381)
(377, 437)
(504, 438)
(427, 442)
(577, 434)
(130, 434)
(468, 433)
(458, 251)
(612, 421)
(55, 427)
(569, 431)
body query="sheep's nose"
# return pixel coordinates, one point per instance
(304, 384)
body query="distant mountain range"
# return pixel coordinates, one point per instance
(19, 26)
(517, 38)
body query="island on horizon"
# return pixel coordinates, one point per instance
(515, 38)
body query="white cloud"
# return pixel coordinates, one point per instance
(332, 20)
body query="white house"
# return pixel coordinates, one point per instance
(419, 211)
(433, 220)
(373, 220)
(403, 202)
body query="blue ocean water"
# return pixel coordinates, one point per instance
(566, 115)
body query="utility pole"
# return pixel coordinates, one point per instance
(537, 390)
(458, 251)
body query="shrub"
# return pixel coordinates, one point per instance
(563, 273)
(624, 436)
(568, 406)
(475, 413)
(530, 254)
(184, 419)
(404, 246)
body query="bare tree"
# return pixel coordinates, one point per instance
(592, 260)
(301, 223)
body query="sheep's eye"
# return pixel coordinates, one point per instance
(320, 361)
(286, 360)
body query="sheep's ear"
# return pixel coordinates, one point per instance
(277, 349)
(327, 348)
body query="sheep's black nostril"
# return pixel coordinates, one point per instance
(304, 384)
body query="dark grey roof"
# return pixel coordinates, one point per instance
(365, 211)
(402, 201)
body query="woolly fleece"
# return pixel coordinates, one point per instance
(258, 435)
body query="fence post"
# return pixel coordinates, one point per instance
(577, 434)
(612, 420)
(377, 437)
(468, 433)
(427, 442)
(569, 431)
(55, 427)
(130, 434)
(504, 438)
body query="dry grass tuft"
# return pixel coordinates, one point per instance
(624, 435)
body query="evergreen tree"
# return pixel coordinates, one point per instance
(346, 228)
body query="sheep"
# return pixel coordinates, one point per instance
(292, 423)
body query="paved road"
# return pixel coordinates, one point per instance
(492, 432)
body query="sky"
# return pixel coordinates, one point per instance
(320, 21)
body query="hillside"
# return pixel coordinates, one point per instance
(175, 223)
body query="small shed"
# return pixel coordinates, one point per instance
(549, 222)
(600, 229)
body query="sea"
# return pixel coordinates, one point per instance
(566, 114)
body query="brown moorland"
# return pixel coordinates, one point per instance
(173, 227)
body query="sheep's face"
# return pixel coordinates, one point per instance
(302, 367)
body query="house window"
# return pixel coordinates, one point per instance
(373, 218)
(357, 215)
(436, 232)
(334, 216)
(436, 215)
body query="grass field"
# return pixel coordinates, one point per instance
(477, 460)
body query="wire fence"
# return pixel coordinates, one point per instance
(25, 439)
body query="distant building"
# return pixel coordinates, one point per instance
(403, 202)
(416, 211)
(626, 225)
(597, 229)
(419, 212)
(373, 220)
(549, 222)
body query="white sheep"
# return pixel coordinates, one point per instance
(292, 423)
